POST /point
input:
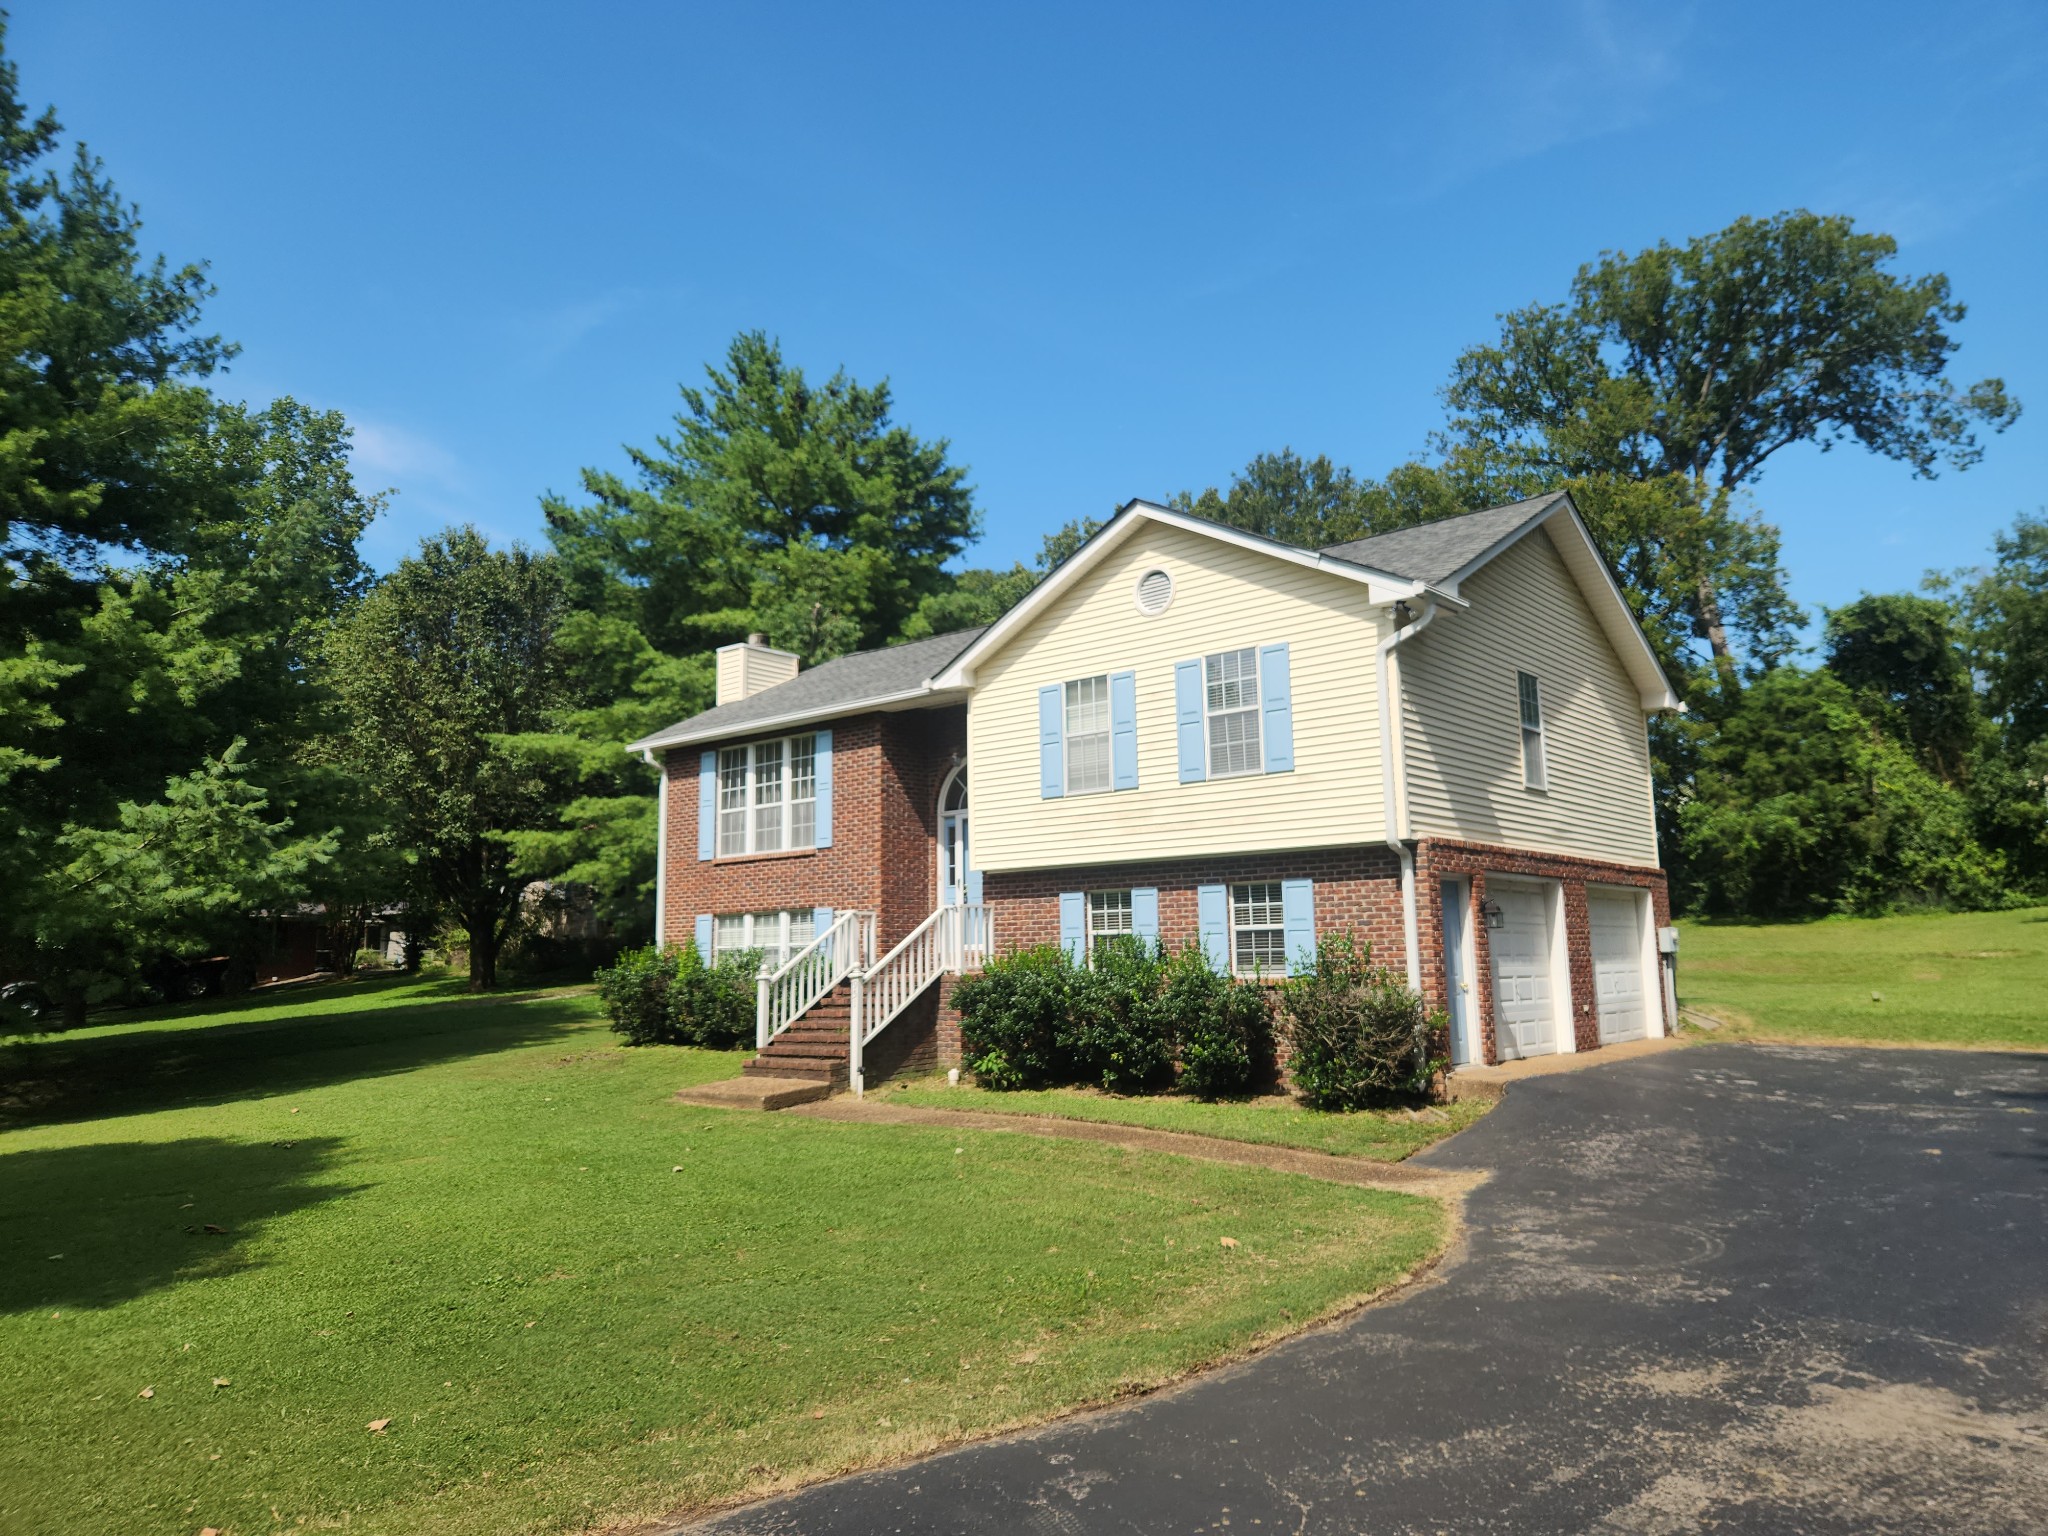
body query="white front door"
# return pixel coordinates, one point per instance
(1524, 998)
(956, 880)
(1624, 1003)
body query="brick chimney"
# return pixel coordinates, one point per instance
(745, 668)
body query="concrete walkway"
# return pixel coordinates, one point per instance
(1408, 1177)
(1491, 1082)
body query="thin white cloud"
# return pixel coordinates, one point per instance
(1527, 81)
(387, 454)
(544, 337)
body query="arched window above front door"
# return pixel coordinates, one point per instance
(954, 796)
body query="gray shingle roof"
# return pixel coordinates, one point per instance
(835, 687)
(1435, 552)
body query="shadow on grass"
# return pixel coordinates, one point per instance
(96, 1225)
(56, 1079)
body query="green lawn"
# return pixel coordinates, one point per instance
(1384, 1136)
(575, 1301)
(1978, 978)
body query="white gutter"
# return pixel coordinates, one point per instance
(769, 724)
(660, 846)
(1392, 806)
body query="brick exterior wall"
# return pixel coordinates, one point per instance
(1358, 890)
(886, 772)
(1437, 860)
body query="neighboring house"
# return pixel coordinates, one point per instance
(1180, 734)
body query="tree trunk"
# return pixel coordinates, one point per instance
(1717, 631)
(484, 943)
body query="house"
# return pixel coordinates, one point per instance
(1434, 738)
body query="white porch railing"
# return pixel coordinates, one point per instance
(783, 996)
(951, 939)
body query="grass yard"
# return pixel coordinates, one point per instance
(1383, 1136)
(1977, 978)
(576, 1303)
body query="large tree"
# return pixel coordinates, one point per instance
(798, 509)
(1902, 657)
(1314, 503)
(1803, 806)
(773, 497)
(1670, 377)
(443, 669)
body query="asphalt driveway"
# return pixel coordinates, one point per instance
(1734, 1288)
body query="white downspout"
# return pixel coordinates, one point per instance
(1393, 806)
(660, 847)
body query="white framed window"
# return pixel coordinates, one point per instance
(768, 796)
(1231, 707)
(1087, 735)
(1109, 917)
(1258, 932)
(1535, 763)
(778, 935)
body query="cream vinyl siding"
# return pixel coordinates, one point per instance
(1461, 718)
(1223, 598)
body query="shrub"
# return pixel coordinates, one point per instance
(671, 997)
(1013, 1018)
(1119, 1031)
(1356, 1034)
(633, 991)
(713, 1005)
(369, 960)
(1222, 1027)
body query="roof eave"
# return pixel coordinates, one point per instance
(1382, 586)
(888, 703)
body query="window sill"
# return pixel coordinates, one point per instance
(756, 858)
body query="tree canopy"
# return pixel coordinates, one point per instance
(443, 668)
(1672, 375)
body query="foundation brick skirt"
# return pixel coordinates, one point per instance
(1357, 891)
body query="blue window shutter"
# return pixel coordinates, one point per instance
(1145, 914)
(704, 936)
(1276, 699)
(821, 923)
(974, 887)
(1123, 730)
(707, 805)
(822, 815)
(1074, 925)
(1187, 719)
(1212, 922)
(1052, 768)
(1298, 923)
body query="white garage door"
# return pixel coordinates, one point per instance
(1623, 1001)
(1524, 1005)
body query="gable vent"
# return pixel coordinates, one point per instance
(1155, 591)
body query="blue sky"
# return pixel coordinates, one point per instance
(1107, 251)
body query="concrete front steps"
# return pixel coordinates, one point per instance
(814, 1047)
(757, 1092)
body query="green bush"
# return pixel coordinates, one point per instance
(1119, 1032)
(671, 997)
(1037, 1019)
(633, 991)
(369, 960)
(1223, 1028)
(1356, 1034)
(1013, 1017)
(713, 1005)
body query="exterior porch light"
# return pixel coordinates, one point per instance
(1490, 910)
